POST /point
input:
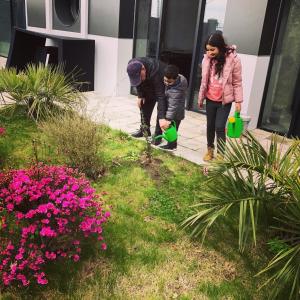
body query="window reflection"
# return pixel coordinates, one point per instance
(214, 17)
(5, 27)
(147, 26)
(280, 100)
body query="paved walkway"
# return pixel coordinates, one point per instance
(2, 62)
(122, 113)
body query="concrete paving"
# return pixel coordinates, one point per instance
(122, 113)
(2, 62)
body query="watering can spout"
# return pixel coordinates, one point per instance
(159, 137)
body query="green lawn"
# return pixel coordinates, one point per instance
(149, 256)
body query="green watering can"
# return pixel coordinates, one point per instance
(235, 126)
(170, 135)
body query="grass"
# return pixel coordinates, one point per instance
(149, 256)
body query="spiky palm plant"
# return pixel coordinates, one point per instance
(263, 184)
(41, 90)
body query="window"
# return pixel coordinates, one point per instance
(213, 20)
(280, 101)
(5, 27)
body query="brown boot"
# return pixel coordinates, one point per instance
(209, 155)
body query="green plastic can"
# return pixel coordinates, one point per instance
(170, 135)
(235, 126)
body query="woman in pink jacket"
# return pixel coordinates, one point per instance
(221, 84)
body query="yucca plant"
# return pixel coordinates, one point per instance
(41, 90)
(261, 189)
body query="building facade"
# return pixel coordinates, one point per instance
(266, 32)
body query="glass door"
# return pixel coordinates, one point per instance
(281, 101)
(147, 24)
(177, 37)
(5, 26)
(212, 21)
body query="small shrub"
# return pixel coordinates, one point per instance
(40, 90)
(79, 140)
(45, 214)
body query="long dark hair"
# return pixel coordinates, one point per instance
(217, 40)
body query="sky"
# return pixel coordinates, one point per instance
(214, 9)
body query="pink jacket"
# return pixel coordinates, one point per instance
(232, 78)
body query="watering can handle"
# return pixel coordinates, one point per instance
(161, 135)
(237, 114)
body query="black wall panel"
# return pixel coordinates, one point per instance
(126, 19)
(76, 54)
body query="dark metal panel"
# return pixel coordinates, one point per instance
(295, 123)
(268, 32)
(29, 47)
(196, 53)
(126, 19)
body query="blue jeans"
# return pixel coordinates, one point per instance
(217, 115)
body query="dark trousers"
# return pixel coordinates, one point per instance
(177, 127)
(146, 110)
(216, 114)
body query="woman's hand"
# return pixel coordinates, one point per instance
(200, 104)
(238, 107)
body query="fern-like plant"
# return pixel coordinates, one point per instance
(264, 186)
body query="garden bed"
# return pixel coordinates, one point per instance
(148, 254)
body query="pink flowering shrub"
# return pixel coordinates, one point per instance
(2, 131)
(45, 214)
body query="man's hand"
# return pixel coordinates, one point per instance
(238, 107)
(140, 102)
(164, 124)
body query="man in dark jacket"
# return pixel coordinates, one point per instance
(146, 74)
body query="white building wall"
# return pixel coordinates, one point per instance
(111, 54)
(254, 73)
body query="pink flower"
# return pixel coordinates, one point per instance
(46, 211)
(19, 215)
(75, 187)
(19, 256)
(2, 131)
(41, 279)
(47, 231)
(76, 257)
(10, 207)
(50, 255)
